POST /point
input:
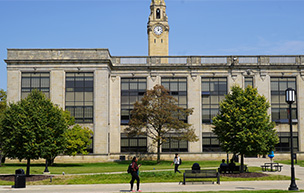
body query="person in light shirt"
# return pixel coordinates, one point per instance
(176, 162)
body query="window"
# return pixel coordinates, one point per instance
(248, 81)
(133, 144)
(79, 96)
(211, 142)
(213, 91)
(35, 80)
(177, 88)
(174, 145)
(132, 90)
(284, 143)
(157, 13)
(279, 108)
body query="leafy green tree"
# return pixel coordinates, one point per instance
(157, 115)
(78, 140)
(33, 128)
(243, 124)
(3, 106)
(58, 140)
(3, 102)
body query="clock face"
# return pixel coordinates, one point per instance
(158, 30)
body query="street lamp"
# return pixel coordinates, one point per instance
(290, 98)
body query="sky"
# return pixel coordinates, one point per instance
(197, 27)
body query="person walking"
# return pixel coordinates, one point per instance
(134, 174)
(176, 162)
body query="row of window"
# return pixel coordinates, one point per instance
(79, 94)
(210, 143)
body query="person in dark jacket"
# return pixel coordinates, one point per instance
(134, 173)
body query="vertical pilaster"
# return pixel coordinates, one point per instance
(152, 80)
(194, 101)
(13, 85)
(300, 103)
(115, 101)
(101, 111)
(263, 86)
(57, 87)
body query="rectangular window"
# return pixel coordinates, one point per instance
(284, 143)
(35, 80)
(248, 81)
(177, 88)
(174, 145)
(213, 91)
(279, 108)
(133, 144)
(132, 90)
(210, 142)
(79, 96)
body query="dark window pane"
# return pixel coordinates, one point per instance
(213, 92)
(278, 105)
(133, 144)
(35, 80)
(132, 89)
(79, 93)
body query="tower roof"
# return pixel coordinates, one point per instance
(158, 2)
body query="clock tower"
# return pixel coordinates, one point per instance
(158, 29)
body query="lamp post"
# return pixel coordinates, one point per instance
(290, 98)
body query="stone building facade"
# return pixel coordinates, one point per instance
(99, 89)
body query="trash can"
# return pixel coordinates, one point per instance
(122, 158)
(19, 179)
(196, 166)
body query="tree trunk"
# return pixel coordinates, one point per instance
(0, 159)
(242, 163)
(3, 159)
(158, 151)
(50, 161)
(28, 167)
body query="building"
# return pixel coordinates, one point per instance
(99, 89)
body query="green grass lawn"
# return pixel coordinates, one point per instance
(151, 175)
(146, 177)
(83, 168)
(299, 162)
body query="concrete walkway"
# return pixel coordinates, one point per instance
(174, 187)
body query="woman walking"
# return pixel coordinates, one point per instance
(176, 162)
(134, 173)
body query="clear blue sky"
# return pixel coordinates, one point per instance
(197, 27)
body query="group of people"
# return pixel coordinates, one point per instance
(134, 171)
(224, 165)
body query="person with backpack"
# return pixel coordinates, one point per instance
(176, 161)
(133, 170)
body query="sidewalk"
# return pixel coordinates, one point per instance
(174, 187)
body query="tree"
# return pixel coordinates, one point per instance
(157, 115)
(78, 140)
(3, 102)
(3, 106)
(33, 128)
(58, 139)
(243, 124)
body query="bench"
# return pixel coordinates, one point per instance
(272, 166)
(210, 173)
(228, 169)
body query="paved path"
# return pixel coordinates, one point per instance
(173, 187)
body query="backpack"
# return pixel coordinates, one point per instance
(180, 161)
(129, 170)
